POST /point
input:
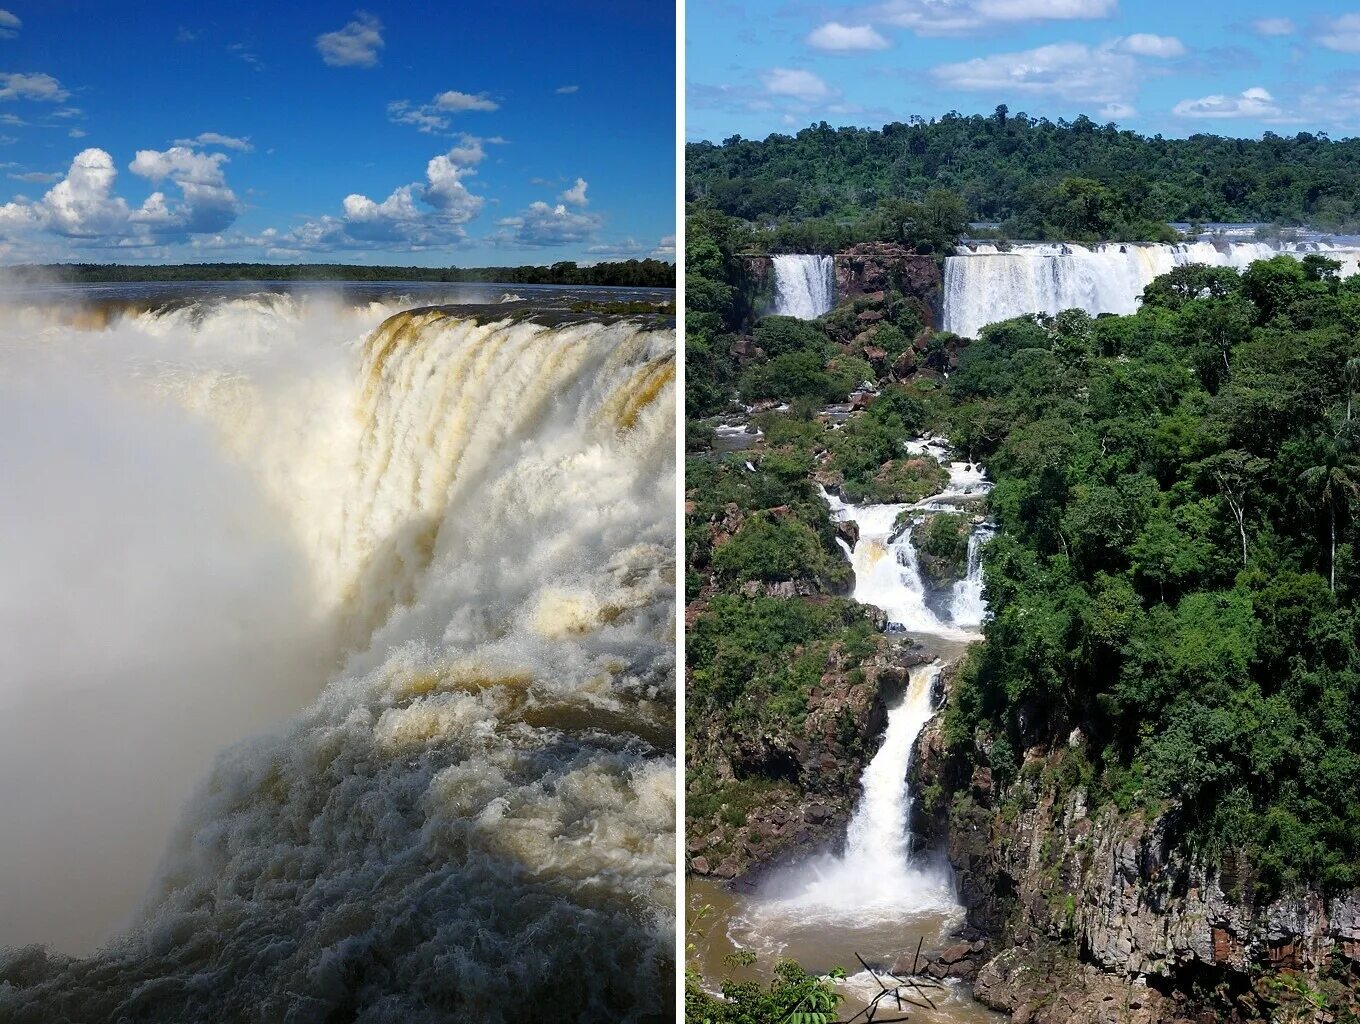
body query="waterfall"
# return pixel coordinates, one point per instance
(483, 509)
(984, 285)
(884, 558)
(968, 607)
(804, 286)
(876, 876)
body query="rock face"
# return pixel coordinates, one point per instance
(1098, 919)
(880, 267)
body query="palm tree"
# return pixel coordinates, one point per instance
(1334, 481)
(1352, 373)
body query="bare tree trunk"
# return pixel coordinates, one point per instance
(1332, 509)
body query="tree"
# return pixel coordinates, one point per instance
(1334, 481)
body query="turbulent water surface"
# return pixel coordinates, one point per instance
(424, 560)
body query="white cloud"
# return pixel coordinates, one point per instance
(209, 204)
(1070, 71)
(1117, 111)
(9, 25)
(837, 38)
(458, 101)
(576, 195)
(1147, 44)
(401, 112)
(37, 86)
(803, 85)
(1253, 103)
(1342, 34)
(354, 46)
(567, 90)
(77, 133)
(1274, 27)
(544, 225)
(421, 215)
(434, 116)
(241, 145)
(966, 17)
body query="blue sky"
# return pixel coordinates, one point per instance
(1175, 67)
(525, 131)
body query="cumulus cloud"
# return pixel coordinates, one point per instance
(434, 116)
(354, 46)
(567, 90)
(544, 225)
(1342, 34)
(834, 37)
(241, 145)
(1253, 103)
(209, 204)
(9, 25)
(1274, 27)
(1147, 44)
(967, 17)
(1070, 71)
(799, 84)
(421, 215)
(454, 100)
(1117, 111)
(39, 87)
(83, 205)
(576, 195)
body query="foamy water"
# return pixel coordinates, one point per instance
(470, 811)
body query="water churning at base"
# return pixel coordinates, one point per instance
(475, 816)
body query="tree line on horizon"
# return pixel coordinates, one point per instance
(1030, 177)
(648, 273)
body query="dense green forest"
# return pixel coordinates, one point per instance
(1035, 178)
(1176, 573)
(647, 273)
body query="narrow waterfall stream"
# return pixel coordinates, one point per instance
(878, 895)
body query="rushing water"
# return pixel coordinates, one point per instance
(984, 285)
(804, 286)
(466, 806)
(878, 895)
(887, 569)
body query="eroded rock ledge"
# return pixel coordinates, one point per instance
(1096, 919)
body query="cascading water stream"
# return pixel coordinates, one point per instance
(984, 285)
(876, 876)
(887, 568)
(804, 286)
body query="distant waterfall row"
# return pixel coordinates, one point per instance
(804, 286)
(984, 285)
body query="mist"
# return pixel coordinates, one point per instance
(154, 609)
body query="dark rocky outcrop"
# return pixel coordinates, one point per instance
(872, 269)
(1097, 916)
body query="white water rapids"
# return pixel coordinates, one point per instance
(439, 554)
(984, 285)
(804, 285)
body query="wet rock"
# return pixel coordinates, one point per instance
(699, 865)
